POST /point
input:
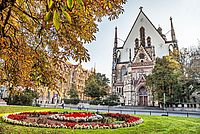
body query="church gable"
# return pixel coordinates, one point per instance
(150, 30)
(141, 80)
(135, 37)
(141, 56)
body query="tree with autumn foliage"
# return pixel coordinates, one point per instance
(36, 34)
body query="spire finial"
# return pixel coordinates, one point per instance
(140, 8)
(173, 36)
(115, 40)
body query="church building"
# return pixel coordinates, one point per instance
(136, 58)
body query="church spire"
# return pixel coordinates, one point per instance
(173, 36)
(173, 31)
(115, 49)
(115, 40)
(114, 62)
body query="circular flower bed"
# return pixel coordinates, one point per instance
(76, 120)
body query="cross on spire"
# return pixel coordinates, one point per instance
(140, 8)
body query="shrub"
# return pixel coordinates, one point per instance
(110, 102)
(96, 102)
(25, 98)
(72, 101)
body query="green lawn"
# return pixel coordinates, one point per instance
(151, 125)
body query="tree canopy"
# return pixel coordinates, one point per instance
(97, 86)
(73, 93)
(165, 78)
(36, 34)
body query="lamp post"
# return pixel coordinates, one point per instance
(164, 100)
(132, 89)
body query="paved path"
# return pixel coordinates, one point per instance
(132, 110)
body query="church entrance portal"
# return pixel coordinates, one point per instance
(143, 97)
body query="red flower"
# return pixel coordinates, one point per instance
(77, 114)
(17, 116)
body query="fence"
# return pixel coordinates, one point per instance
(137, 111)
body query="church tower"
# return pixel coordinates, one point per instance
(114, 61)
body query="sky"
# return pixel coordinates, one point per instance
(186, 21)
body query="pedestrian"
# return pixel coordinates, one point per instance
(63, 105)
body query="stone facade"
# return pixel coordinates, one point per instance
(136, 58)
(74, 74)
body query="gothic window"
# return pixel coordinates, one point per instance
(142, 91)
(119, 74)
(129, 54)
(141, 55)
(118, 56)
(136, 43)
(142, 36)
(123, 72)
(149, 41)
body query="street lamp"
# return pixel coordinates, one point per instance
(164, 100)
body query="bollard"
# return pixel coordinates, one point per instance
(150, 112)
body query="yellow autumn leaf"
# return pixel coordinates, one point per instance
(67, 16)
(56, 20)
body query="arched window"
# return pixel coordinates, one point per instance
(136, 43)
(123, 72)
(141, 55)
(142, 91)
(142, 36)
(149, 41)
(129, 54)
(118, 56)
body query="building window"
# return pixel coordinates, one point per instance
(129, 54)
(123, 72)
(136, 43)
(141, 55)
(142, 36)
(149, 41)
(118, 56)
(142, 92)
